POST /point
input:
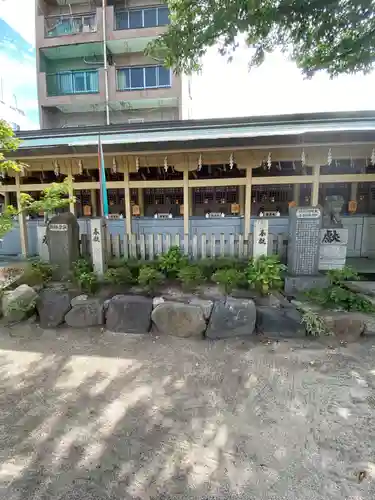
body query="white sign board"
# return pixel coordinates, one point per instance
(260, 242)
(58, 227)
(333, 247)
(98, 246)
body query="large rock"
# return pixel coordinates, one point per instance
(345, 326)
(283, 322)
(129, 314)
(52, 306)
(231, 318)
(19, 303)
(205, 304)
(181, 320)
(85, 312)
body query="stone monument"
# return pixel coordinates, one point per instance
(98, 245)
(63, 243)
(41, 234)
(260, 242)
(333, 237)
(305, 224)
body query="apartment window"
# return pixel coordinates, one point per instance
(142, 18)
(73, 82)
(137, 78)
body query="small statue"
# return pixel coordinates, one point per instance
(332, 211)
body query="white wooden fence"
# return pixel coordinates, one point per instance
(148, 247)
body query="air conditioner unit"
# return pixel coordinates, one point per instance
(136, 120)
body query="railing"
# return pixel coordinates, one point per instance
(148, 247)
(149, 17)
(73, 82)
(70, 25)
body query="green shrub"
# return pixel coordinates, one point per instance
(149, 278)
(36, 273)
(338, 276)
(88, 282)
(265, 274)
(210, 266)
(337, 297)
(228, 279)
(172, 261)
(84, 276)
(117, 262)
(118, 276)
(314, 324)
(190, 277)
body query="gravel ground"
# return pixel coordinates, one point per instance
(97, 416)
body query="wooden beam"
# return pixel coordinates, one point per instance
(315, 186)
(22, 221)
(249, 175)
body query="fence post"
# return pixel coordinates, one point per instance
(204, 246)
(213, 246)
(142, 246)
(195, 247)
(151, 253)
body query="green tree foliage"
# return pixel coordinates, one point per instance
(335, 35)
(52, 198)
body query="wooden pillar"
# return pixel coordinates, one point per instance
(249, 176)
(297, 193)
(6, 199)
(241, 199)
(141, 202)
(128, 208)
(190, 202)
(71, 191)
(94, 203)
(22, 221)
(186, 201)
(353, 191)
(315, 186)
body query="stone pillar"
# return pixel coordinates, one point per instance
(315, 186)
(260, 240)
(41, 234)
(249, 175)
(94, 203)
(141, 202)
(22, 221)
(98, 245)
(296, 193)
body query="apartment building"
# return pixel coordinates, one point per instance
(91, 64)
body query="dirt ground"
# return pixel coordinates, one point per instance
(96, 416)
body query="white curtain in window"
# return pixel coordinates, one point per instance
(122, 79)
(64, 83)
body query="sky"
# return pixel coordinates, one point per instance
(229, 89)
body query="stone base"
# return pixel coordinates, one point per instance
(296, 284)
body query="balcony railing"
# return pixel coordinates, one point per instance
(73, 82)
(149, 17)
(70, 25)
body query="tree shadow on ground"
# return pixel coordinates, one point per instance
(95, 416)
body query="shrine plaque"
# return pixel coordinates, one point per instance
(304, 240)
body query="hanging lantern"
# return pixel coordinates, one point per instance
(56, 168)
(373, 157)
(80, 167)
(303, 158)
(137, 163)
(294, 165)
(329, 157)
(166, 164)
(269, 161)
(231, 161)
(114, 166)
(199, 163)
